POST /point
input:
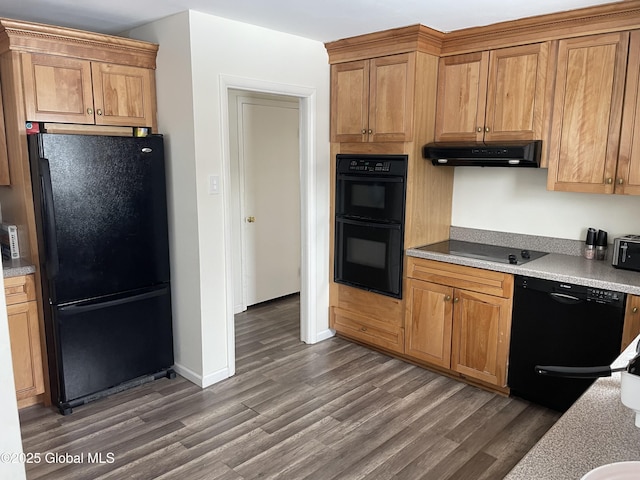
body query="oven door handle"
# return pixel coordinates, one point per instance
(371, 179)
(369, 223)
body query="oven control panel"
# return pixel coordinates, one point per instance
(369, 166)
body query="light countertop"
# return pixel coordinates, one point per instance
(598, 429)
(15, 268)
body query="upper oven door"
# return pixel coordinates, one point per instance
(370, 197)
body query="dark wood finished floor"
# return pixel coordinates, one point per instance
(334, 410)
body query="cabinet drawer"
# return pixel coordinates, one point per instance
(367, 330)
(458, 276)
(19, 289)
(387, 310)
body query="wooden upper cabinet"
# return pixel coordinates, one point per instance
(122, 95)
(628, 171)
(70, 90)
(372, 100)
(462, 95)
(493, 96)
(57, 89)
(587, 111)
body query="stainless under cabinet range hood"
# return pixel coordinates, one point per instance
(478, 154)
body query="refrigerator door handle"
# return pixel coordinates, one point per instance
(99, 304)
(51, 243)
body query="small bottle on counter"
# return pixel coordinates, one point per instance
(601, 245)
(590, 244)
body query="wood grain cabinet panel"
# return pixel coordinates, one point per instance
(498, 95)
(631, 321)
(4, 154)
(481, 332)
(428, 322)
(24, 335)
(465, 330)
(367, 329)
(122, 95)
(628, 170)
(70, 90)
(587, 113)
(372, 100)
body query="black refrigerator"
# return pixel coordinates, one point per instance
(101, 215)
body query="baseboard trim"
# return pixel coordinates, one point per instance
(324, 335)
(201, 381)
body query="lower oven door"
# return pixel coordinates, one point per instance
(368, 255)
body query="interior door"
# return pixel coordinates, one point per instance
(269, 162)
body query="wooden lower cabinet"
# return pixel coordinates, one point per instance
(368, 317)
(631, 321)
(24, 335)
(459, 329)
(367, 330)
(428, 323)
(481, 331)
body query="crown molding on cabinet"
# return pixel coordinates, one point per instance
(388, 42)
(39, 38)
(611, 17)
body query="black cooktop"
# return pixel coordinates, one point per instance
(492, 253)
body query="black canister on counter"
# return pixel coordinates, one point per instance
(590, 244)
(601, 245)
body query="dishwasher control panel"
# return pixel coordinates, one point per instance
(604, 296)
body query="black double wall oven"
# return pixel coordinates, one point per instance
(369, 222)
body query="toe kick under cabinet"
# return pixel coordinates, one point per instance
(459, 319)
(24, 334)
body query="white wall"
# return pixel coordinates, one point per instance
(517, 201)
(190, 110)
(10, 440)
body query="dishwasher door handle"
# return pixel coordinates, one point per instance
(565, 298)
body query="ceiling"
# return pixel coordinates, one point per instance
(324, 20)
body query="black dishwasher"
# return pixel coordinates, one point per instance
(556, 323)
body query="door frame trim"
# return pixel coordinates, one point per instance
(308, 195)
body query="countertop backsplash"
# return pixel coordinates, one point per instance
(519, 240)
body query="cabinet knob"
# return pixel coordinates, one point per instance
(99, 112)
(447, 298)
(90, 111)
(479, 129)
(634, 310)
(364, 131)
(620, 181)
(370, 131)
(487, 129)
(609, 181)
(363, 329)
(456, 300)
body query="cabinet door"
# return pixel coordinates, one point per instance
(631, 321)
(4, 156)
(587, 113)
(628, 174)
(391, 98)
(462, 95)
(350, 101)
(428, 322)
(57, 89)
(516, 93)
(26, 355)
(481, 332)
(122, 95)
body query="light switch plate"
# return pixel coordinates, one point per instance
(214, 184)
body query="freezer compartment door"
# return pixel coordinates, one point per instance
(105, 342)
(102, 204)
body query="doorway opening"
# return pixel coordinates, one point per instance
(308, 254)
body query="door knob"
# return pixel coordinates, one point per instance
(251, 219)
